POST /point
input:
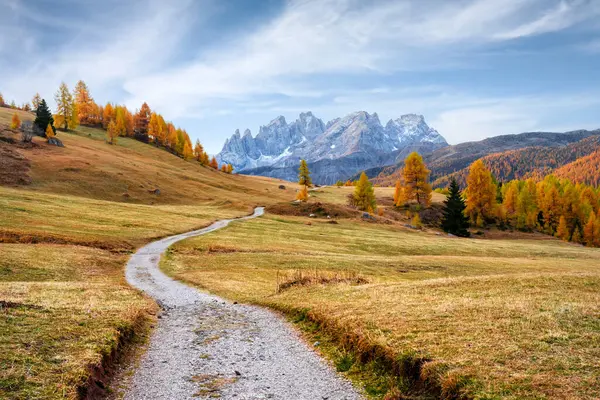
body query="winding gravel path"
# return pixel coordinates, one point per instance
(206, 347)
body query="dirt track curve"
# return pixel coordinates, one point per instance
(206, 347)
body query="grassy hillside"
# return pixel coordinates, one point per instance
(510, 318)
(514, 317)
(65, 238)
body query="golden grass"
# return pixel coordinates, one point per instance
(339, 195)
(64, 241)
(27, 216)
(66, 307)
(7, 113)
(132, 170)
(515, 319)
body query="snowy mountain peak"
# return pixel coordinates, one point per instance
(278, 121)
(346, 145)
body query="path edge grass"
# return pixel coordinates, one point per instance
(100, 377)
(403, 374)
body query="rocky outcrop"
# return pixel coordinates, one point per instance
(336, 150)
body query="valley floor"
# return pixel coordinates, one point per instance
(500, 318)
(65, 235)
(512, 319)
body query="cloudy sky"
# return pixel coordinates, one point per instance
(474, 68)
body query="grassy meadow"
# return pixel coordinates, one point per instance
(486, 319)
(65, 238)
(503, 316)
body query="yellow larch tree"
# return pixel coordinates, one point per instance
(364, 195)
(35, 102)
(64, 107)
(112, 133)
(562, 232)
(188, 153)
(49, 132)
(15, 123)
(85, 103)
(480, 194)
(416, 180)
(107, 115)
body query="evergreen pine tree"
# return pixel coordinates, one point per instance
(43, 117)
(455, 221)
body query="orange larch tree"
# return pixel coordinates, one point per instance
(480, 194)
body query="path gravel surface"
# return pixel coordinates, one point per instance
(205, 347)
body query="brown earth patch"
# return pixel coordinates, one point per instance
(321, 210)
(15, 237)
(14, 166)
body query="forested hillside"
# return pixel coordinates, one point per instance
(584, 170)
(531, 162)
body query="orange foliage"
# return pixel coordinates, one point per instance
(481, 194)
(15, 123)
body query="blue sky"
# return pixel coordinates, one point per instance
(474, 68)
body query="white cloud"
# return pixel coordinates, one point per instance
(299, 55)
(135, 44)
(312, 38)
(564, 15)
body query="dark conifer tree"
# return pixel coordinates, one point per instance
(43, 117)
(455, 221)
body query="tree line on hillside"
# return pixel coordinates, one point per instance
(79, 108)
(551, 205)
(537, 162)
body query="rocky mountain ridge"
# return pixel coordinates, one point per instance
(335, 150)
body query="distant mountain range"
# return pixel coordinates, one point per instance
(344, 147)
(531, 154)
(334, 151)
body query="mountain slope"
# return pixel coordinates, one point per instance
(583, 170)
(336, 150)
(130, 171)
(454, 158)
(530, 162)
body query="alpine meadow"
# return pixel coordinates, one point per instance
(444, 247)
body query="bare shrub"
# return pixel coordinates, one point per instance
(306, 278)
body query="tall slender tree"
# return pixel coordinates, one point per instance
(399, 198)
(85, 103)
(64, 107)
(364, 195)
(35, 102)
(304, 178)
(481, 194)
(141, 121)
(416, 176)
(112, 132)
(455, 221)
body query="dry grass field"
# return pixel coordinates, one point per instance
(516, 317)
(486, 319)
(65, 238)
